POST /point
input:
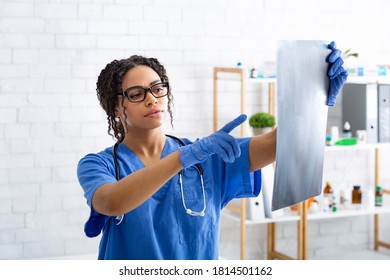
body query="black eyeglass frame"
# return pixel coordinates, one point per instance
(125, 93)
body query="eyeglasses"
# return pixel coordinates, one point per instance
(138, 94)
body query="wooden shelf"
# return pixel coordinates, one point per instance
(367, 146)
(368, 80)
(240, 75)
(302, 216)
(290, 217)
(348, 213)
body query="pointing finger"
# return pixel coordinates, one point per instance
(234, 123)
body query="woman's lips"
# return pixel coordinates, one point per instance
(154, 113)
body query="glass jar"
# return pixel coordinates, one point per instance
(356, 195)
(378, 196)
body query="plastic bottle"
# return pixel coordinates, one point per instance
(356, 195)
(368, 199)
(347, 130)
(328, 141)
(253, 72)
(378, 196)
(325, 205)
(343, 199)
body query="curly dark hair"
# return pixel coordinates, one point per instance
(109, 85)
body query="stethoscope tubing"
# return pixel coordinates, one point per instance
(119, 218)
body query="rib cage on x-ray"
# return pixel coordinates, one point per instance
(302, 86)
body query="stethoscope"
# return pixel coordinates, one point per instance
(198, 167)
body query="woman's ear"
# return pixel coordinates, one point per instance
(117, 112)
(117, 115)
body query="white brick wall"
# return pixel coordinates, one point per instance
(52, 51)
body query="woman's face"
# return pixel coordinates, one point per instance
(147, 114)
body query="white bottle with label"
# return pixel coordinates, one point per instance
(347, 130)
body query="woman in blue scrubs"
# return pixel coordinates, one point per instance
(156, 197)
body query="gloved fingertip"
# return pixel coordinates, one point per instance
(234, 123)
(332, 45)
(225, 157)
(330, 103)
(243, 117)
(334, 55)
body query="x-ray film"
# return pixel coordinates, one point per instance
(302, 86)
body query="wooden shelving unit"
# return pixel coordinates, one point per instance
(241, 210)
(303, 216)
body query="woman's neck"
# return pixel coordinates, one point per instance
(147, 146)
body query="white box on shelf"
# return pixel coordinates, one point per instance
(254, 207)
(267, 188)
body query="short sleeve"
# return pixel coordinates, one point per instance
(236, 179)
(93, 171)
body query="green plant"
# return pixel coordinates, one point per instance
(261, 120)
(348, 53)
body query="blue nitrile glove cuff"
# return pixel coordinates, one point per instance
(95, 224)
(188, 158)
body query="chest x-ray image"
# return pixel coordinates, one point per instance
(302, 86)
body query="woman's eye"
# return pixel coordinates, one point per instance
(159, 89)
(135, 95)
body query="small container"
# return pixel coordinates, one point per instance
(325, 204)
(343, 199)
(253, 72)
(334, 132)
(378, 196)
(328, 141)
(328, 191)
(347, 130)
(368, 199)
(356, 195)
(328, 195)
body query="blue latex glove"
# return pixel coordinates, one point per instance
(336, 73)
(220, 143)
(95, 224)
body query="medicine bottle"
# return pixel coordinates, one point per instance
(378, 196)
(356, 195)
(328, 141)
(343, 199)
(347, 130)
(328, 191)
(253, 72)
(328, 196)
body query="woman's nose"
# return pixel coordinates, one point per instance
(150, 99)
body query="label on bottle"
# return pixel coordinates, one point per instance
(378, 200)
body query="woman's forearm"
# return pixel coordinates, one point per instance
(134, 189)
(262, 150)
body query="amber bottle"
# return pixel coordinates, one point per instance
(328, 191)
(356, 195)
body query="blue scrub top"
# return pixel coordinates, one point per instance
(160, 228)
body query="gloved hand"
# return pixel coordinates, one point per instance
(220, 143)
(336, 73)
